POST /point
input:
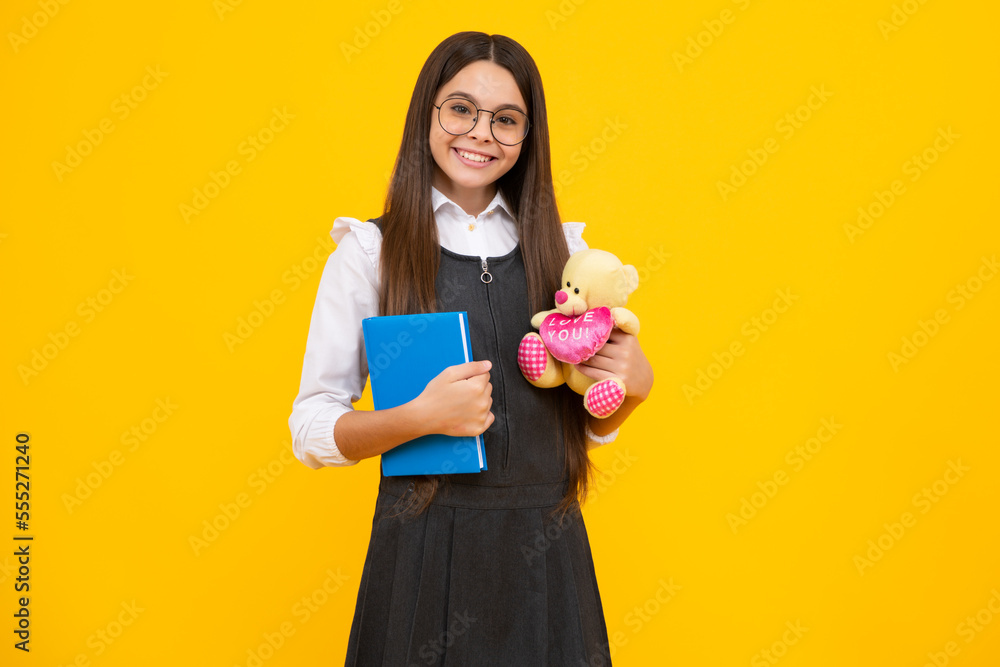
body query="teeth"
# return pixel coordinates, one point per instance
(474, 157)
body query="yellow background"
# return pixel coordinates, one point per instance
(650, 193)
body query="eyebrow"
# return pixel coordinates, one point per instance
(502, 106)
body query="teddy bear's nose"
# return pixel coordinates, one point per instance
(561, 297)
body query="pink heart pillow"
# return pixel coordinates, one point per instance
(576, 339)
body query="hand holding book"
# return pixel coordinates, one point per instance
(458, 400)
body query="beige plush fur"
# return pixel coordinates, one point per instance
(590, 279)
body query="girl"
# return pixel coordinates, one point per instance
(490, 568)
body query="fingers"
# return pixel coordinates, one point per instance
(477, 385)
(599, 361)
(594, 373)
(485, 402)
(616, 354)
(468, 369)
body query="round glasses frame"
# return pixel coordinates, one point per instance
(492, 114)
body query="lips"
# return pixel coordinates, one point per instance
(459, 151)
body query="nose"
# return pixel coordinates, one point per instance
(488, 134)
(561, 297)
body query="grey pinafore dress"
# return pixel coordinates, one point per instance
(485, 576)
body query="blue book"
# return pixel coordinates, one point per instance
(404, 353)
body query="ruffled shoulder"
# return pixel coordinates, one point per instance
(574, 236)
(368, 234)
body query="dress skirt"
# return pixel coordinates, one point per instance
(481, 577)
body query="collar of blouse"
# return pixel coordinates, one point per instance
(439, 199)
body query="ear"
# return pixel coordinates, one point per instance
(631, 277)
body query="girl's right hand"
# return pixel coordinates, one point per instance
(458, 401)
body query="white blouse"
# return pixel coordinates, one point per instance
(335, 369)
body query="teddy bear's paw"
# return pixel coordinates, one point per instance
(532, 357)
(604, 397)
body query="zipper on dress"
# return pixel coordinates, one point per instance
(487, 278)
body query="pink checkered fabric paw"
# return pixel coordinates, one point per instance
(604, 398)
(531, 356)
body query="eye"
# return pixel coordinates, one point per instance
(576, 290)
(460, 108)
(567, 283)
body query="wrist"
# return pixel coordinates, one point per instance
(417, 417)
(643, 394)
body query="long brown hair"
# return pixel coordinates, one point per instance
(410, 245)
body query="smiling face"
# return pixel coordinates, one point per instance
(469, 182)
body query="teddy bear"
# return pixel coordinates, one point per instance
(589, 304)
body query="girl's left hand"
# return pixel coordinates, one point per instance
(623, 357)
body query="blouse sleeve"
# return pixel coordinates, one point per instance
(334, 368)
(574, 236)
(575, 242)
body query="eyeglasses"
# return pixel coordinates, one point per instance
(458, 115)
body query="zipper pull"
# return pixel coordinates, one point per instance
(487, 277)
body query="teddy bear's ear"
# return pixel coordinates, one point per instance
(631, 277)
